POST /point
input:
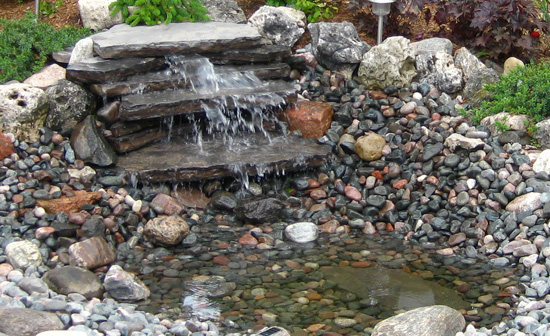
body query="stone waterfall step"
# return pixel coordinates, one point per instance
(123, 41)
(250, 154)
(165, 79)
(99, 70)
(180, 101)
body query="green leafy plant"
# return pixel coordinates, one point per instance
(523, 91)
(315, 10)
(47, 8)
(152, 12)
(25, 45)
(544, 7)
(501, 126)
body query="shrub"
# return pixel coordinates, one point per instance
(497, 27)
(315, 10)
(523, 91)
(152, 12)
(25, 45)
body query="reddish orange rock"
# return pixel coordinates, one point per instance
(378, 95)
(5, 268)
(314, 296)
(43, 232)
(6, 146)
(248, 239)
(361, 264)
(70, 204)
(377, 174)
(312, 118)
(315, 327)
(399, 184)
(221, 260)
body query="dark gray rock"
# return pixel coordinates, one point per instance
(71, 279)
(124, 286)
(424, 321)
(263, 210)
(224, 11)
(90, 145)
(27, 322)
(93, 227)
(69, 105)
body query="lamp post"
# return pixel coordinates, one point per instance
(381, 8)
(37, 9)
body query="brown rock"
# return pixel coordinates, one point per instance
(70, 204)
(43, 232)
(191, 197)
(329, 227)
(457, 238)
(361, 264)
(5, 268)
(91, 253)
(352, 193)
(166, 230)
(526, 202)
(167, 205)
(312, 118)
(47, 77)
(318, 194)
(6, 146)
(248, 239)
(369, 147)
(221, 260)
(378, 95)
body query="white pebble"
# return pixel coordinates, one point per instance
(136, 207)
(39, 212)
(417, 95)
(129, 200)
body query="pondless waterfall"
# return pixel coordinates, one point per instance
(219, 119)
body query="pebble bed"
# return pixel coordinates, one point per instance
(422, 208)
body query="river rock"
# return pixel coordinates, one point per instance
(312, 118)
(23, 254)
(512, 63)
(71, 279)
(124, 286)
(390, 63)
(69, 204)
(474, 89)
(425, 321)
(337, 46)
(543, 162)
(48, 76)
(69, 105)
(542, 134)
(526, 202)
(224, 11)
(96, 15)
(91, 253)
(90, 145)
(467, 62)
(166, 230)
(260, 210)
(281, 25)
(167, 205)
(6, 146)
(23, 109)
(456, 140)
(303, 232)
(27, 322)
(369, 147)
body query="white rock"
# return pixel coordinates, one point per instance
(543, 162)
(23, 254)
(302, 232)
(96, 14)
(82, 50)
(456, 140)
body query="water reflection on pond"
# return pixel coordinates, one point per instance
(340, 283)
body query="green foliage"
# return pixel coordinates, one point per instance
(315, 10)
(523, 91)
(25, 45)
(152, 12)
(544, 7)
(47, 8)
(501, 126)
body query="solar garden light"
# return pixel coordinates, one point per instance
(381, 8)
(37, 8)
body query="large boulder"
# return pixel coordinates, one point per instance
(124, 286)
(27, 322)
(69, 105)
(448, 78)
(514, 122)
(224, 11)
(432, 46)
(337, 46)
(389, 63)
(475, 75)
(71, 279)
(48, 76)
(166, 230)
(435, 65)
(281, 25)
(425, 321)
(542, 134)
(23, 109)
(96, 15)
(90, 145)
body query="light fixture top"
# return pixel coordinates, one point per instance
(382, 1)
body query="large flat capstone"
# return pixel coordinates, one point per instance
(176, 38)
(250, 154)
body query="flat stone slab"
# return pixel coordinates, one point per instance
(175, 102)
(164, 79)
(98, 70)
(251, 154)
(175, 38)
